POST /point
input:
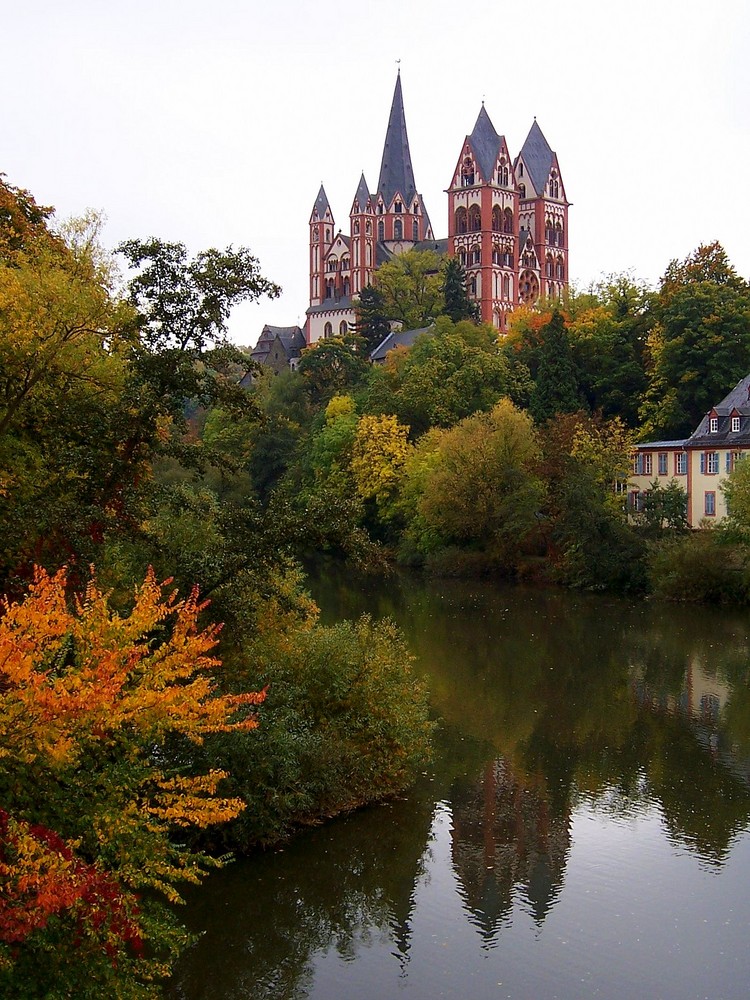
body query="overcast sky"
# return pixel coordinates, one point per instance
(215, 123)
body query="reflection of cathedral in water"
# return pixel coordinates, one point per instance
(507, 848)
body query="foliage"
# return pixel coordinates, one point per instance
(379, 453)
(445, 376)
(330, 367)
(700, 344)
(663, 507)
(482, 489)
(92, 705)
(702, 566)
(556, 381)
(736, 489)
(345, 723)
(411, 286)
(458, 305)
(372, 324)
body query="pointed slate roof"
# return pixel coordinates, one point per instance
(321, 203)
(537, 156)
(737, 401)
(486, 144)
(362, 195)
(396, 173)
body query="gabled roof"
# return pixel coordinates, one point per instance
(396, 173)
(291, 337)
(397, 338)
(486, 144)
(362, 194)
(538, 156)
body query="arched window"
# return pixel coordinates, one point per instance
(415, 231)
(347, 286)
(398, 230)
(475, 219)
(506, 287)
(343, 327)
(356, 226)
(507, 221)
(467, 172)
(502, 173)
(381, 230)
(522, 189)
(316, 235)
(476, 254)
(345, 264)
(560, 269)
(328, 235)
(328, 330)
(368, 228)
(329, 289)
(549, 267)
(496, 219)
(368, 255)
(398, 208)
(461, 223)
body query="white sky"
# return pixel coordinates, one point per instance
(214, 123)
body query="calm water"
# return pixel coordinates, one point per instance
(583, 832)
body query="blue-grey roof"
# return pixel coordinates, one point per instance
(656, 445)
(537, 155)
(344, 304)
(437, 246)
(737, 402)
(321, 203)
(362, 195)
(396, 173)
(397, 338)
(486, 144)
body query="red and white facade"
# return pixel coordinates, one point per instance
(507, 223)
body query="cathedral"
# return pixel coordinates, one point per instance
(507, 224)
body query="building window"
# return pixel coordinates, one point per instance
(638, 464)
(508, 221)
(398, 229)
(522, 189)
(709, 463)
(713, 425)
(368, 228)
(467, 172)
(398, 208)
(462, 226)
(328, 330)
(735, 424)
(648, 464)
(662, 463)
(356, 226)
(475, 219)
(415, 231)
(381, 231)
(343, 327)
(680, 464)
(709, 506)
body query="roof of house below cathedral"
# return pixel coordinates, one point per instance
(397, 338)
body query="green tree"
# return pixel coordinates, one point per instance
(482, 490)
(556, 388)
(330, 367)
(700, 343)
(444, 376)
(372, 323)
(411, 286)
(458, 305)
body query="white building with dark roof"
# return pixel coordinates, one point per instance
(700, 463)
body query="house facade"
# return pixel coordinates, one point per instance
(507, 223)
(701, 462)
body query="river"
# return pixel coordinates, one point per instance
(584, 830)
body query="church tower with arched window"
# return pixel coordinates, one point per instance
(507, 224)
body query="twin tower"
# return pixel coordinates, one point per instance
(507, 224)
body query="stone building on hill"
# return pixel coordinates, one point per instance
(279, 347)
(507, 223)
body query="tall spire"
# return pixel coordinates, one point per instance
(396, 172)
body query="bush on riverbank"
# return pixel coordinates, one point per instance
(345, 723)
(707, 566)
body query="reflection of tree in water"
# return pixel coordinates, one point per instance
(263, 920)
(505, 840)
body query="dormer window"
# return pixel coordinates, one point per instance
(713, 425)
(735, 425)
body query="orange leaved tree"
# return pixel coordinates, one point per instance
(98, 714)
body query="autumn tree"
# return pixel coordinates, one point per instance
(379, 453)
(93, 709)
